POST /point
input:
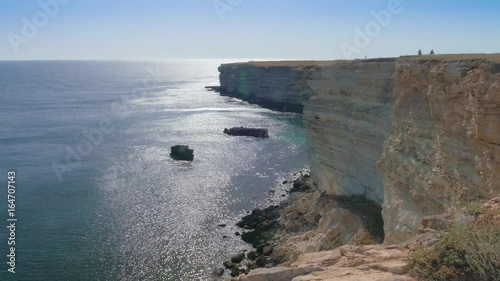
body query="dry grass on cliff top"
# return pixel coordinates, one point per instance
(457, 57)
(466, 252)
(290, 63)
(300, 63)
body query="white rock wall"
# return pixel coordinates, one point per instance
(347, 120)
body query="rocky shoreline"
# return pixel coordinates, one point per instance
(280, 233)
(351, 262)
(262, 230)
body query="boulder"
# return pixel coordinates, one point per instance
(251, 255)
(248, 132)
(229, 265)
(267, 250)
(218, 272)
(182, 152)
(235, 272)
(238, 257)
(213, 88)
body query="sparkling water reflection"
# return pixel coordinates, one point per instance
(128, 211)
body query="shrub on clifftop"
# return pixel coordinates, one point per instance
(466, 252)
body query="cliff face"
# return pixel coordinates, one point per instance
(419, 136)
(444, 149)
(347, 120)
(278, 87)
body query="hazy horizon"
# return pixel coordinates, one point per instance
(237, 29)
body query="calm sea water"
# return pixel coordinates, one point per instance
(98, 197)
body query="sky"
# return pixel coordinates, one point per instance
(256, 29)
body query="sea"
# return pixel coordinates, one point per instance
(96, 195)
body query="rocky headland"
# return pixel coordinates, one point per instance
(398, 148)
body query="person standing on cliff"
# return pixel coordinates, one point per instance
(420, 52)
(432, 52)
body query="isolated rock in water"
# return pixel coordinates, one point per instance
(249, 132)
(213, 88)
(218, 272)
(238, 257)
(229, 265)
(182, 152)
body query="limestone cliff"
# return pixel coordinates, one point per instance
(347, 121)
(417, 135)
(444, 148)
(277, 86)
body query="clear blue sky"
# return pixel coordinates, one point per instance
(267, 29)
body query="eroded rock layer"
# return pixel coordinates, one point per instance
(417, 135)
(275, 86)
(444, 149)
(347, 121)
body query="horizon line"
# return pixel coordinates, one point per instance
(240, 59)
